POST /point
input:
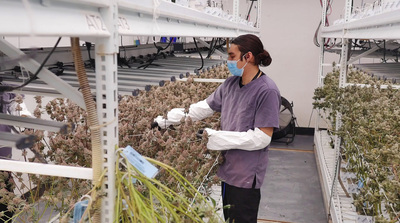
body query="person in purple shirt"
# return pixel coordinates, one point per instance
(249, 103)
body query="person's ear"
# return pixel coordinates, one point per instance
(249, 55)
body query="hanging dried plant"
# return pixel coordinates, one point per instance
(177, 146)
(370, 135)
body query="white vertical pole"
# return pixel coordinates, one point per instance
(322, 47)
(342, 82)
(107, 104)
(236, 10)
(343, 67)
(259, 14)
(345, 47)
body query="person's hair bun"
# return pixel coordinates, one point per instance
(263, 59)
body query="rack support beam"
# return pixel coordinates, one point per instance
(44, 75)
(34, 123)
(46, 169)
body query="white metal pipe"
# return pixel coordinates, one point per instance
(368, 85)
(34, 123)
(204, 80)
(329, 65)
(235, 10)
(107, 105)
(259, 11)
(46, 169)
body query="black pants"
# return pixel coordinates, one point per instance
(3, 207)
(242, 203)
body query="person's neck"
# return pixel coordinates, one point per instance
(249, 74)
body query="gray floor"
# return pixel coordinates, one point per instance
(291, 191)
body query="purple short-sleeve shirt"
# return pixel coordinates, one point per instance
(256, 104)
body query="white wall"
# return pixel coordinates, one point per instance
(287, 31)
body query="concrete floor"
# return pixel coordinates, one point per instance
(291, 191)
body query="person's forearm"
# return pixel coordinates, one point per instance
(200, 110)
(226, 140)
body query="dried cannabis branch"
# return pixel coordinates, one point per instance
(177, 146)
(370, 135)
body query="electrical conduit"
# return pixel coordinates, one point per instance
(93, 124)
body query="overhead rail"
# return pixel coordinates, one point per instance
(68, 18)
(136, 17)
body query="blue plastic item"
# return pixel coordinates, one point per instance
(79, 209)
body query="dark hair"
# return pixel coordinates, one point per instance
(251, 43)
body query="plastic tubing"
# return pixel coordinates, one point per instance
(92, 121)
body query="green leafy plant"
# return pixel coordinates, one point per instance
(140, 199)
(370, 133)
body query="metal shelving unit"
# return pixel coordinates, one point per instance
(101, 22)
(384, 25)
(144, 18)
(390, 71)
(380, 26)
(129, 79)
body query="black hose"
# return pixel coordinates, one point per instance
(211, 48)
(11, 88)
(248, 14)
(159, 49)
(201, 56)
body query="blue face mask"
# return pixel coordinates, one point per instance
(232, 66)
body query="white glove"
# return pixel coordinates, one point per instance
(197, 111)
(226, 140)
(173, 118)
